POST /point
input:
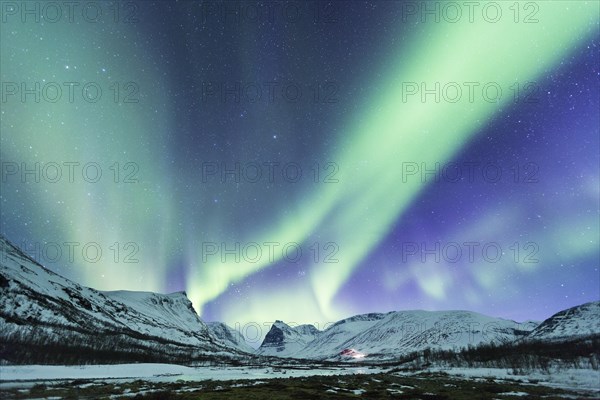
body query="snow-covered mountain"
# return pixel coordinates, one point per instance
(283, 340)
(331, 341)
(170, 316)
(389, 335)
(385, 336)
(575, 322)
(403, 332)
(228, 337)
(41, 308)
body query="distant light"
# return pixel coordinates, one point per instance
(353, 353)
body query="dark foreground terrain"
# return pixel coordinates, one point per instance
(379, 386)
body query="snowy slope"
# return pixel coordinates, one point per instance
(579, 321)
(405, 331)
(336, 338)
(228, 337)
(170, 316)
(388, 335)
(38, 306)
(283, 340)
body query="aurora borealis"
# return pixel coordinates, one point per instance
(226, 134)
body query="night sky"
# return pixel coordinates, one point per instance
(267, 158)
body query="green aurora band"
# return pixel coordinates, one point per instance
(358, 212)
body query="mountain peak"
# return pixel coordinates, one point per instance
(283, 340)
(58, 310)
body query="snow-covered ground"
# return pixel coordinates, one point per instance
(11, 376)
(26, 376)
(567, 378)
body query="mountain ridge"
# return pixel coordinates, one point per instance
(388, 335)
(40, 309)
